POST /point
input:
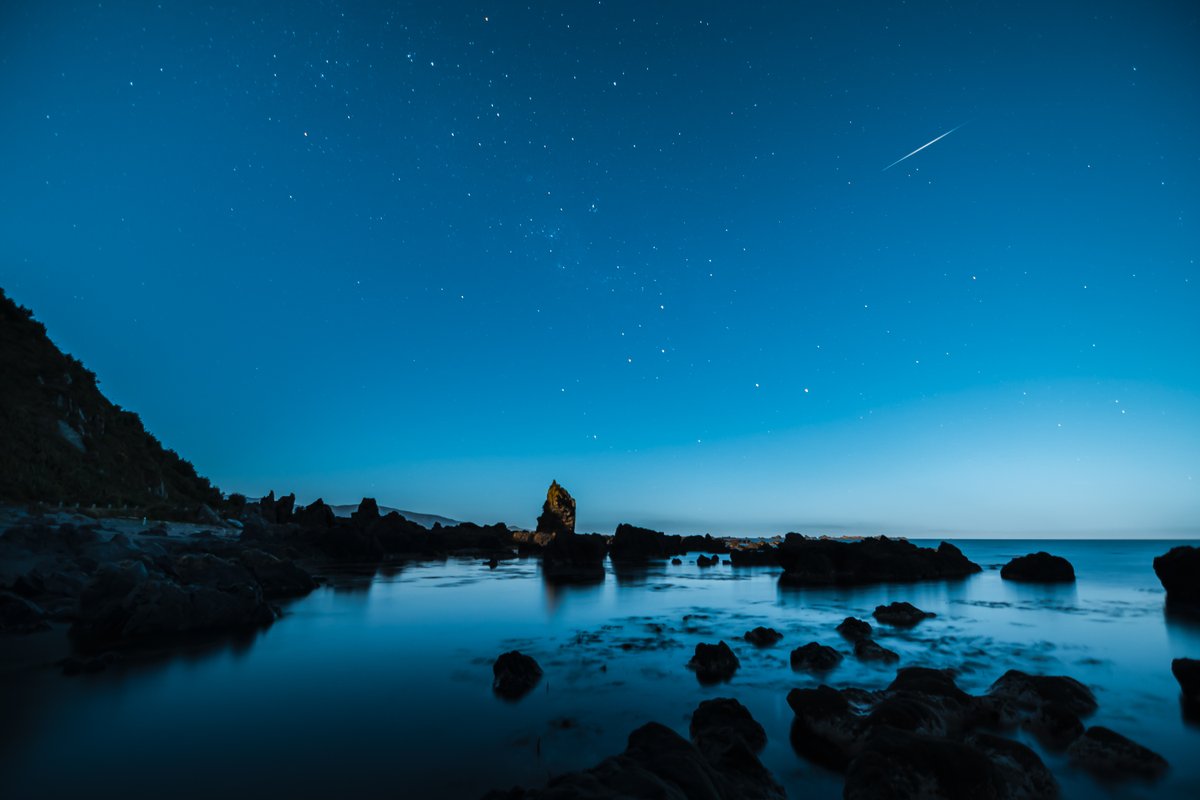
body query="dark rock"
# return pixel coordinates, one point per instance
(274, 511)
(705, 561)
(1187, 672)
(762, 637)
(205, 515)
(702, 544)
(826, 562)
(815, 657)
(714, 663)
(78, 665)
(827, 729)
(18, 615)
(1179, 572)
(1110, 755)
(901, 615)
(491, 563)
(895, 764)
(574, 558)
(631, 543)
(762, 556)
(659, 764)
(854, 629)
(558, 512)
(278, 578)
(722, 719)
(397, 534)
(1040, 567)
(1033, 692)
(515, 674)
(677, 561)
(315, 515)
(366, 514)
(1055, 726)
(870, 650)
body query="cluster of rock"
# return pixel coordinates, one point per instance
(114, 589)
(828, 562)
(719, 763)
(924, 736)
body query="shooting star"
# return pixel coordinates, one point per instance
(922, 147)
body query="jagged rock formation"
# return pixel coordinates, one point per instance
(558, 512)
(62, 441)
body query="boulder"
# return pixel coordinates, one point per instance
(1040, 567)
(204, 514)
(574, 558)
(1179, 572)
(677, 561)
(366, 514)
(1187, 672)
(514, 675)
(315, 515)
(724, 719)
(815, 657)
(762, 637)
(901, 615)
(714, 663)
(705, 561)
(827, 562)
(1108, 754)
(870, 650)
(631, 543)
(854, 629)
(658, 764)
(558, 512)
(1034, 692)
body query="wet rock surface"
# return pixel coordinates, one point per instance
(1179, 571)
(714, 663)
(514, 675)
(853, 628)
(901, 615)
(815, 657)
(1040, 567)
(871, 650)
(1108, 754)
(762, 637)
(718, 764)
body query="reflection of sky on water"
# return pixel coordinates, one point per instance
(380, 682)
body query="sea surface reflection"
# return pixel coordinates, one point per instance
(379, 683)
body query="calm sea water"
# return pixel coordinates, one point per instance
(380, 685)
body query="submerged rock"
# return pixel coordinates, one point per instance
(705, 561)
(515, 674)
(1038, 691)
(1040, 567)
(677, 561)
(1179, 572)
(659, 764)
(826, 562)
(762, 637)
(815, 657)
(870, 650)
(558, 512)
(901, 615)
(714, 663)
(853, 628)
(1110, 755)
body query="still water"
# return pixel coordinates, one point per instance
(379, 685)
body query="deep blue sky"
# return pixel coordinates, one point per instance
(441, 253)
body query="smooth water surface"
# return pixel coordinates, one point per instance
(379, 685)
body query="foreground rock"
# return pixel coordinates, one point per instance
(1179, 572)
(720, 763)
(714, 663)
(901, 615)
(815, 657)
(920, 737)
(514, 675)
(762, 637)
(1108, 754)
(1039, 567)
(854, 629)
(18, 615)
(871, 650)
(1187, 672)
(826, 562)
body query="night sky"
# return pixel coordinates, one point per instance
(441, 253)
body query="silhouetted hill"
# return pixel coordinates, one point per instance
(424, 520)
(61, 440)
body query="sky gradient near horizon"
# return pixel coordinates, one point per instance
(441, 253)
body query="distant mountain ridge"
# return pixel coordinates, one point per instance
(63, 441)
(424, 520)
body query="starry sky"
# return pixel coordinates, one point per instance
(440, 253)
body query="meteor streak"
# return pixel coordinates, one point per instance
(922, 147)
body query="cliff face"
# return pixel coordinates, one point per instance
(61, 440)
